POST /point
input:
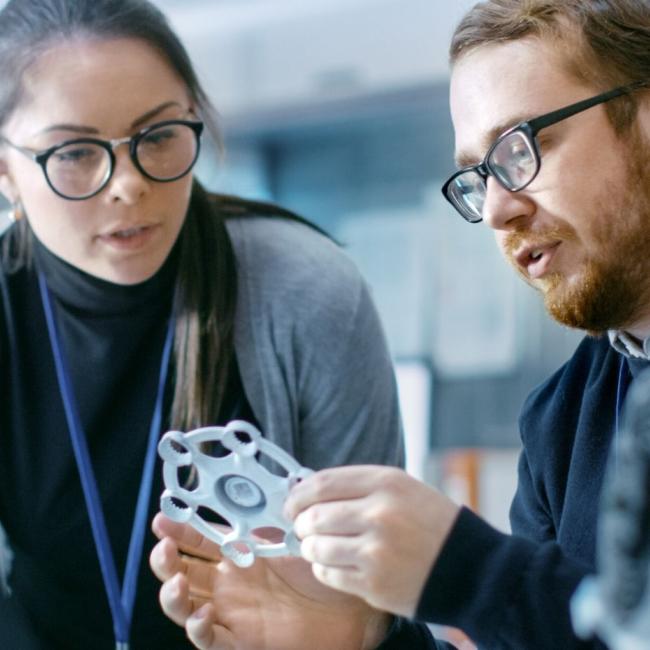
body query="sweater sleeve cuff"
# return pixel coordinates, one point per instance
(459, 586)
(404, 633)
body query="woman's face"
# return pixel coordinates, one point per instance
(106, 89)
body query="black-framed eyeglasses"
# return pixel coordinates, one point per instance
(80, 168)
(514, 159)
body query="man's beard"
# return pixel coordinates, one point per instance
(612, 290)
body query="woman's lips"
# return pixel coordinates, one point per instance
(130, 238)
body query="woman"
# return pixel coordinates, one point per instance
(134, 302)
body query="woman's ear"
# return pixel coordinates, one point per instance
(9, 190)
(7, 186)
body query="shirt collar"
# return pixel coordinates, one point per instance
(628, 346)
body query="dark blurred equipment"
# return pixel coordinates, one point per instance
(615, 604)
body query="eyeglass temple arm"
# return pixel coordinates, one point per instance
(30, 153)
(562, 113)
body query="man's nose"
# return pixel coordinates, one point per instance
(503, 209)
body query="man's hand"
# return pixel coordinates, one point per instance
(371, 531)
(276, 604)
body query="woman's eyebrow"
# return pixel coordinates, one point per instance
(152, 113)
(91, 130)
(77, 128)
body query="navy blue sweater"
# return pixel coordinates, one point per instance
(513, 591)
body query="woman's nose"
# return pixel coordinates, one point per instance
(127, 184)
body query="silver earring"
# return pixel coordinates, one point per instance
(16, 212)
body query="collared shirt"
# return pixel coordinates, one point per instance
(628, 346)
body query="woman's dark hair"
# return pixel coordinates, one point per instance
(205, 294)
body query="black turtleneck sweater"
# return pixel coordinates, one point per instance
(112, 337)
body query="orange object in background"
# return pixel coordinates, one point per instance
(461, 475)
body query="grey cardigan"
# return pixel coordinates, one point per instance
(311, 351)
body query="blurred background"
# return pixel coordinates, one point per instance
(337, 109)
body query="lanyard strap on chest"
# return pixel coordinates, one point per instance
(121, 601)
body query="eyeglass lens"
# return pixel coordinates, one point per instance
(512, 161)
(167, 152)
(78, 169)
(467, 193)
(81, 168)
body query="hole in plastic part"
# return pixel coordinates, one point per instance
(243, 437)
(272, 466)
(269, 534)
(280, 471)
(178, 447)
(178, 503)
(211, 516)
(240, 553)
(214, 449)
(188, 477)
(295, 479)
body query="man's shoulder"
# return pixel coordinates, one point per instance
(584, 381)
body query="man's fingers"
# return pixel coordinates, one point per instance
(331, 550)
(336, 484)
(332, 518)
(204, 632)
(189, 541)
(347, 579)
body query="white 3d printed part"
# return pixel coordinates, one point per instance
(234, 486)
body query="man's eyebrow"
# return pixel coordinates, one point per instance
(465, 158)
(91, 130)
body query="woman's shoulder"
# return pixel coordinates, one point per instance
(288, 264)
(275, 246)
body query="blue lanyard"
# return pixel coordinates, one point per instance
(121, 601)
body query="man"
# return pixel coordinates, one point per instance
(552, 123)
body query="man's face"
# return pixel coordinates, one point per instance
(580, 232)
